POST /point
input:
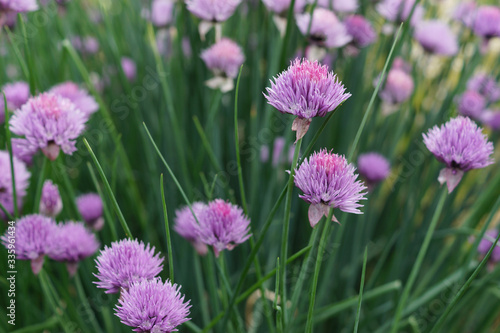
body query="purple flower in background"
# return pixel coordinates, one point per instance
(80, 97)
(162, 12)
(280, 7)
(21, 175)
(129, 68)
(487, 22)
(398, 86)
(212, 10)
(18, 6)
(223, 226)
(224, 59)
(86, 45)
(340, 6)
(306, 90)
(399, 10)
(326, 29)
(72, 242)
(436, 37)
(465, 12)
(124, 263)
(486, 86)
(50, 202)
(153, 306)
(16, 94)
(264, 153)
(461, 145)
(361, 30)
(471, 104)
(90, 207)
(186, 225)
(328, 181)
(487, 242)
(33, 239)
(278, 146)
(491, 118)
(373, 167)
(48, 122)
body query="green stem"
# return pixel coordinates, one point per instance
(237, 145)
(84, 301)
(319, 258)
(361, 287)
(11, 157)
(286, 226)
(39, 186)
(167, 231)
(418, 263)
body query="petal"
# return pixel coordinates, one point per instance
(451, 176)
(316, 212)
(301, 125)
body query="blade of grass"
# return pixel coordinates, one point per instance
(237, 145)
(28, 55)
(362, 285)
(111, 196)
(167, 231)
(11, 157)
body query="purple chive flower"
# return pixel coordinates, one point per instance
(461, 145)
(223, 226)
(487, 22)
(373, 167)
(129, 68)
(124, 263)
(471, 104)
(86, 45)
(278, 146)
(340, 6)
(361, 30)
(71, 243)
(280, 7)
(21, 175)
(212, 10)
(398, 87)
(486, 243)
(306, 90)
(33, 239)
(224, 59)
(486, 86)
(399, 10)
(326, 29)
(90, 207)
(436, 37)
(48, 122)
(465, 12)
(16, 95)
(264, 153)
(328, 181)
(491, 118)
(162, 12)
(50, 202)
(80, 97)
(186, 225)
(18, 6)
(153, 306)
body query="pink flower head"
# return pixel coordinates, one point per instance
(18, 6)
(212, 10)
(280, 7)
(223, 226)
(487, 242)
(487, 22)
(186, 225)
(471, 104)
(306, 90)
(399, 10)
(21, 175)
(461, 146)
(16, 95)
(90, 207)
(32, 239)
(162, 12)
(48, 122)
(79, 96)
(465, 12)
(153, 306)
(398, 87)
(71, 243)
(486, 86)
(224, 58)
(361, 30)
(436, 37)
(129, 68)
(50, 202)
(124, 263)
(328, 181)
(373, 167)
(491, 118)
(326, 29)
(340, 6)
